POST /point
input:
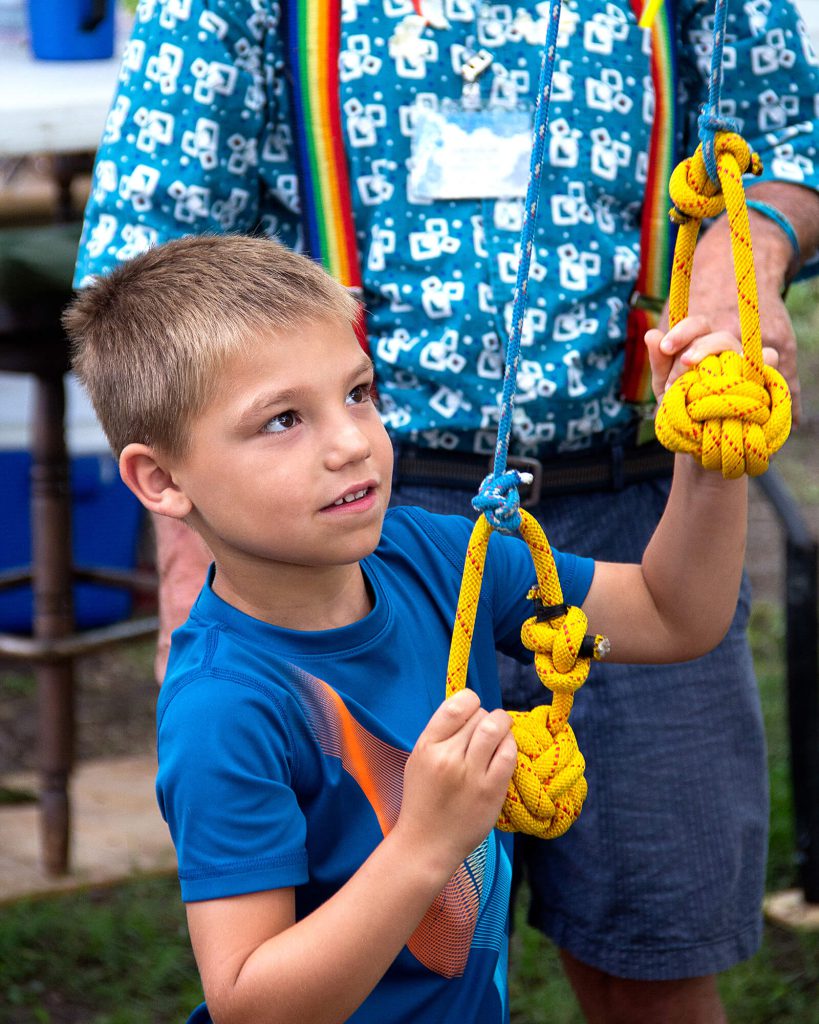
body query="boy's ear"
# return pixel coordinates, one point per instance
(145, 473)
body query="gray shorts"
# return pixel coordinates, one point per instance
(662, 876)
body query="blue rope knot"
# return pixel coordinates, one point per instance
(499, 501)
(708, 124)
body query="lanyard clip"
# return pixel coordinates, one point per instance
(471, 71)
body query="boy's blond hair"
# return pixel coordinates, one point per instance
(148, 339)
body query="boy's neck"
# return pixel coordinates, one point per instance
(296, 597)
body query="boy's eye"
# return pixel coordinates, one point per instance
(361, 393)
(279, 424)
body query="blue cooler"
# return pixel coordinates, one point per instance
(105, 516)
(105, 521)
(72, 29)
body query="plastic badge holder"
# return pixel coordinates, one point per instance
(72, 29)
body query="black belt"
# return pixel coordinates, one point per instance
(609, 470)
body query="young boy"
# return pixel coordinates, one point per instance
(333, 819)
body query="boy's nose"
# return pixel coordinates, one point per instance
(346, 443)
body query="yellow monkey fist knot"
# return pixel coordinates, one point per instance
(724, 420)
(547, 788)
(693, 193)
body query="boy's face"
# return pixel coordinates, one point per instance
(290, 464)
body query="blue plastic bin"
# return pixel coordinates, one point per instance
(72, 29)
(105, 533)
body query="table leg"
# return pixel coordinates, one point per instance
(53, 616)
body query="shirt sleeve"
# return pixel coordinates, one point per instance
(770, 83)
(225, 789)
(197, 138)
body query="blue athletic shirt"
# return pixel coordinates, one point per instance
(281, 752)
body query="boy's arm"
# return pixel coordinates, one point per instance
(258, 964)
(679, 602)
(227, 155)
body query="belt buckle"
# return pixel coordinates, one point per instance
(527, 464)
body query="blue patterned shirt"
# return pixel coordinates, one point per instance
(199, 139)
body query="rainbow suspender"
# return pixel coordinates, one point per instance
(657, 232)
(313, 35)
(313, 39)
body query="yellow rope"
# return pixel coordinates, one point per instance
(731, 412)
(547, 788)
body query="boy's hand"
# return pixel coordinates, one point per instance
(685, 346)
(456, 778)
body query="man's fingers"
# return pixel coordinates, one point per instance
(771, 357)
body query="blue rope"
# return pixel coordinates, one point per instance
(498, 497)
(709, 121)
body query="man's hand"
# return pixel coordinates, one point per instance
(685, 346)
(713, 286)
(714, 292)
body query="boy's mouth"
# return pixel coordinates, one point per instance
(352, 496)
(355, 497)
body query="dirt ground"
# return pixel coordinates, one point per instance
(116, 693)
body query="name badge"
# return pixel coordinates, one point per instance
(462, 153)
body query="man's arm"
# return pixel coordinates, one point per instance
(182, 560)
(713, 288)
(769, 84)
(258, 964)
(197, 138)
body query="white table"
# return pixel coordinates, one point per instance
(52, 106)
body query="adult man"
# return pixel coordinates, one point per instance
(657, 888)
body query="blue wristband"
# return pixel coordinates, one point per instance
(781, 221)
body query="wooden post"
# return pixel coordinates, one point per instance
(53, 616)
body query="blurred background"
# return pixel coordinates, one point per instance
(105, 943)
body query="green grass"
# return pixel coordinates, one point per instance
(804, 310)
(14, 683)
(107, 956)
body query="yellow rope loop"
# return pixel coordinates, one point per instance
(547, 788)
(731, 412)
(556, 644)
